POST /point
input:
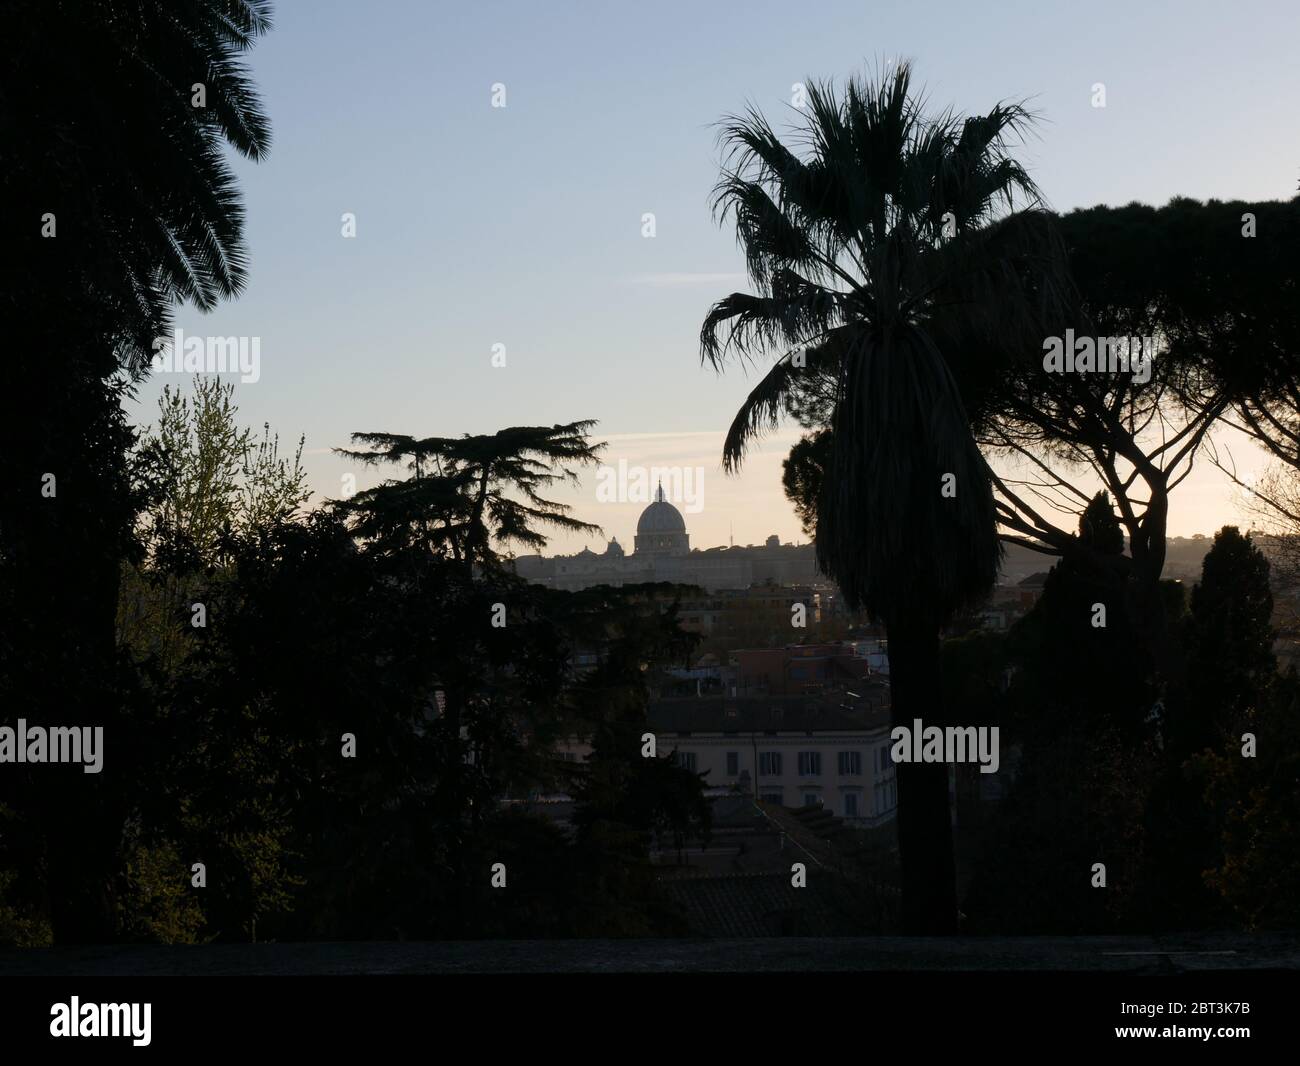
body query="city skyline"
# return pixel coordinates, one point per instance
(529, 234)
(722, 488)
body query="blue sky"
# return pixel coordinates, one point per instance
(522, 225)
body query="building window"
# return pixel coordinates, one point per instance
(810, 764)
(769, 763)
(885, 761)
(812, 799)
(850, 763)
(850, 805)
(733, 763)
(777, 798)
(685, 759)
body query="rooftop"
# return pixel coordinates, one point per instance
(840, 712)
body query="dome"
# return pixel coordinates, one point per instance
(661, 529)
(661, 517)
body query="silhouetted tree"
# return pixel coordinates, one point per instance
(854, 251)
(624, 799)
(1185, 277)
(1229, 644)
(1079, 755)
(461, 503)
(1069, 667)
(1231, 678)
(467, 493)
(803, 472)
(127, 206)
(1255, 807)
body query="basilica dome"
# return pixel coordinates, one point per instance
(661, 529)
(661, 517)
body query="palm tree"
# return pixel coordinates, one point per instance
(116, 114)
(146, 207)
(892, 240)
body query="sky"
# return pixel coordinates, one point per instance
(522, 225)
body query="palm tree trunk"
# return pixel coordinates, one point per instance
(60, 585)
(924, 820)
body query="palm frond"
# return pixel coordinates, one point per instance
(895, 245)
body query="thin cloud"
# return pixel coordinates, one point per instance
(678, 279)
(662, 436)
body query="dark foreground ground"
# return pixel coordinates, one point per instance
(1119, 955)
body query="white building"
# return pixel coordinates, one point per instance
(791, 751)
